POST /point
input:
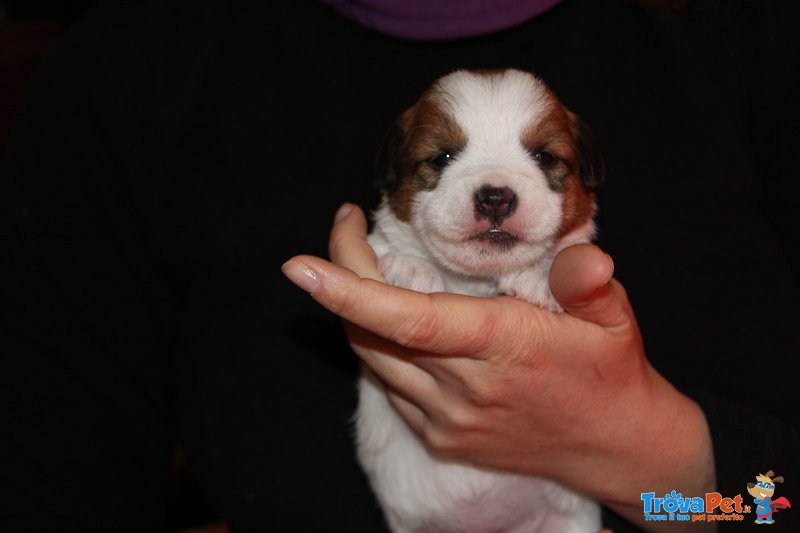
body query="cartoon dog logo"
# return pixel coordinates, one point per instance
(762, 491)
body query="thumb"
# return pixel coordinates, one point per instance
(348, 246)
(581, 280)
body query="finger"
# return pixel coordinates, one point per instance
(407, 406)
(348, 245)
(410, 410)
(441, 323)
(388, 362)
(581, 280)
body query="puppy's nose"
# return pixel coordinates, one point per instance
(495, 203)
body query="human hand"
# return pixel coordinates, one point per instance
(505, 384)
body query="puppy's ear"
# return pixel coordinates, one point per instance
(591, 168)
(388, 163)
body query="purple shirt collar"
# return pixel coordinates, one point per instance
(425, 20)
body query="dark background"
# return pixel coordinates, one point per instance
(28, 28)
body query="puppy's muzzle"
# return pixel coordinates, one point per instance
(494, 203)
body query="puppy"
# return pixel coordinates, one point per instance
(485, 179)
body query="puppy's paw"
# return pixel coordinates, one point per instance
(410, 272)
(530, 285)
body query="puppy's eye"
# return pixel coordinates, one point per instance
(442, 160)
(545, 159)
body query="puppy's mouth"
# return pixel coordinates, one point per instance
(497, 238)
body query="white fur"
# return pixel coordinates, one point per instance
(420, 491)
(493, 122)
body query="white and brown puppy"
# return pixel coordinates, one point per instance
(485, 179)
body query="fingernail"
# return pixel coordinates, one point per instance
(301, 275)
(342, 213)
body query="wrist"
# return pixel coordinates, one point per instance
(670, 448)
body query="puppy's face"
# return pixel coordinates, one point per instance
(490, 170)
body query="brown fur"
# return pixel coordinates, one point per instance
(552, 134)
(427, 131)
(557, 133)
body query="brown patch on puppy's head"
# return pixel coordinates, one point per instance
(566, 152)
(415, 150)
(582, 185)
